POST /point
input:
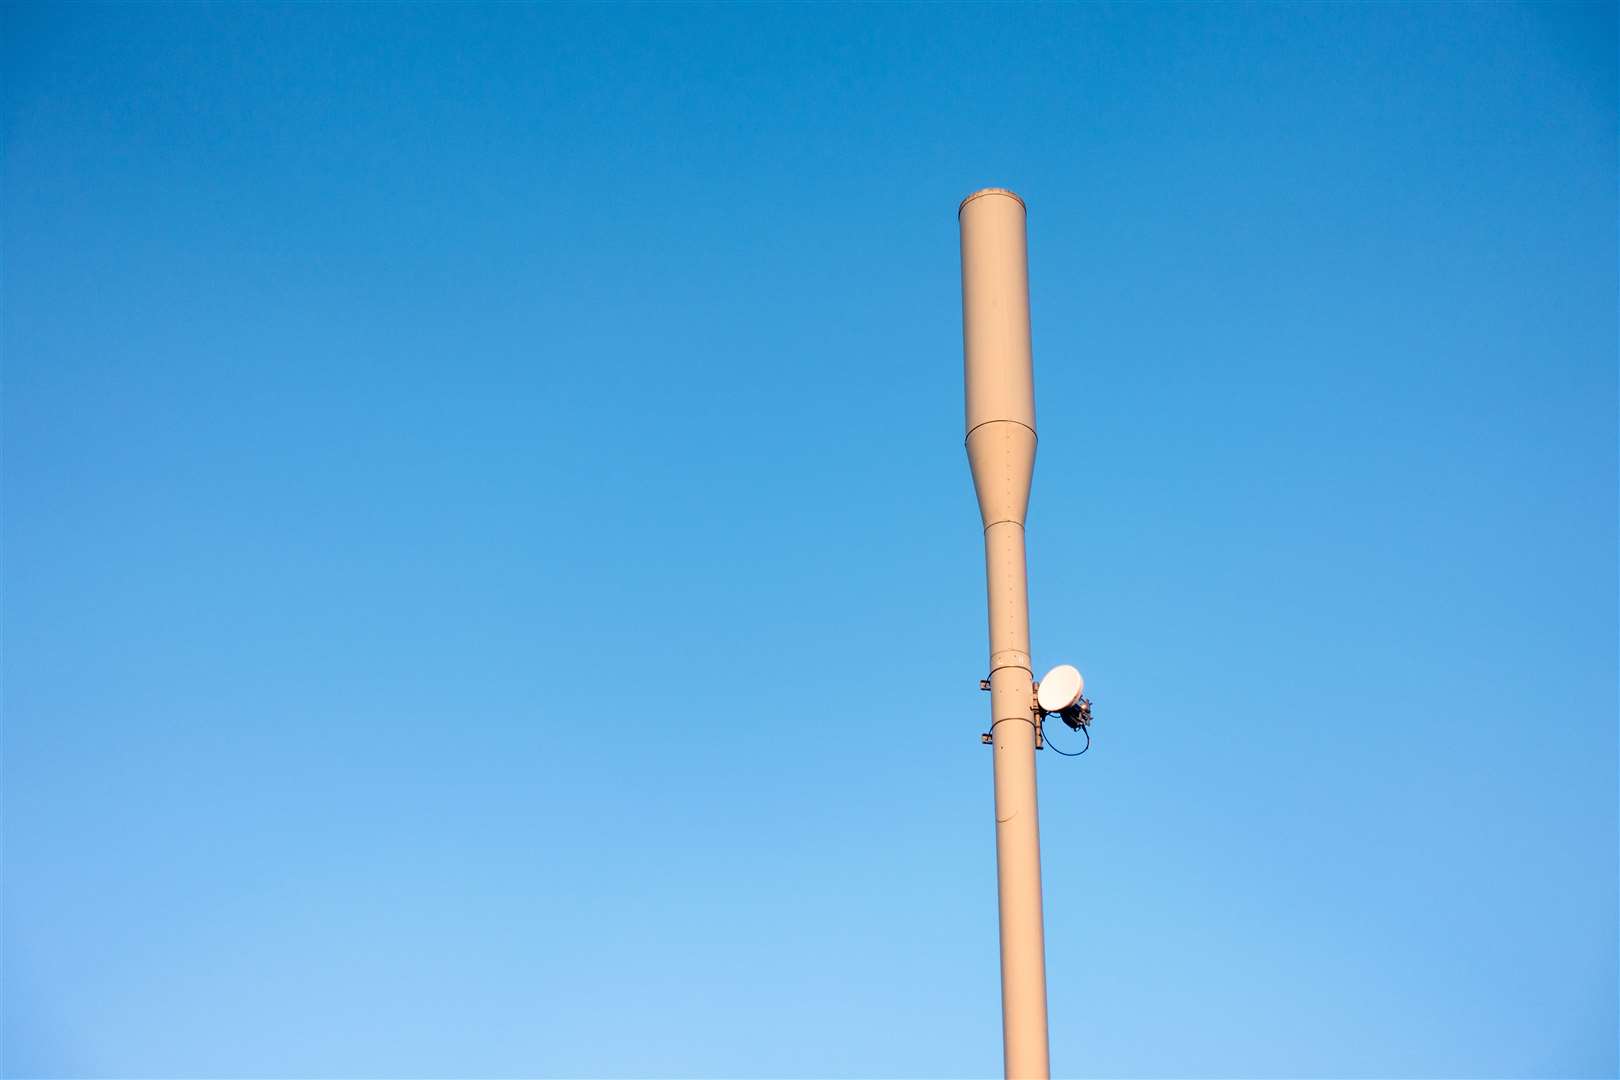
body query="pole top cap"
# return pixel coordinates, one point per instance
(1013, 195)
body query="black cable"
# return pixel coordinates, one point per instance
(1083, 729)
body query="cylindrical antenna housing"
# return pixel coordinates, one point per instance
(1001, 451)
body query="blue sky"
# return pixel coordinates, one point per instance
(492, 585)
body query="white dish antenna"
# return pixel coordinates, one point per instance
(1060, 688)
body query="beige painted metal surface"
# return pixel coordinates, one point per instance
(1001, 451)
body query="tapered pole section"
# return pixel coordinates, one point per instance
(1001, 451)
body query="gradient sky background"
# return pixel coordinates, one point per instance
(493, 585)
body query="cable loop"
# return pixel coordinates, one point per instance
(1086, 731)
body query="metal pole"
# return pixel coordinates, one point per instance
(1001, 451)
